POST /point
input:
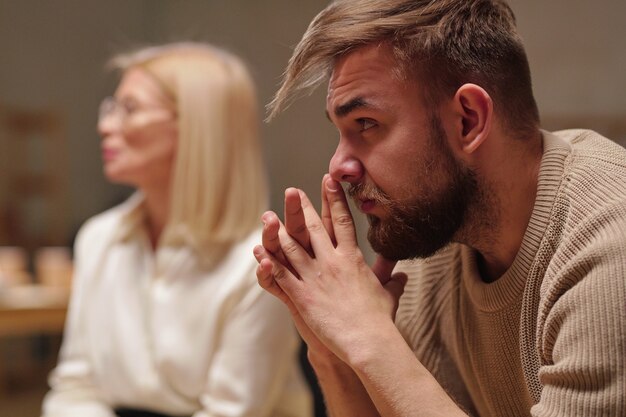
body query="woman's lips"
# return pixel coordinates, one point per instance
(108, 154)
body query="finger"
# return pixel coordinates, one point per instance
(343, 223)
(395, 285)
(294, 218)
(327, 220)
(299, 260)
(266, 278)
(271, 224)
(383, 268)
(320, 240)
(270, 240)
(395, 288)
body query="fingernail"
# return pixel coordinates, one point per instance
(258, 250)
(331, 185)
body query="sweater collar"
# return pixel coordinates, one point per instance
(509, 287)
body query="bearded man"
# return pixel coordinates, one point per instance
(509, 300)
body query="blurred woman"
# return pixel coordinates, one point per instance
(166, 317)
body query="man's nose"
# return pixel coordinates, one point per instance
(345, 167)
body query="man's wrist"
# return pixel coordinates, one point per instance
(373, 345)
(325, 362)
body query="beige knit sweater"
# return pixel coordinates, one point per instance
(549, 337)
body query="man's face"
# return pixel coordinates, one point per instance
(394, 153)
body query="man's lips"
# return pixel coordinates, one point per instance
(366, 205)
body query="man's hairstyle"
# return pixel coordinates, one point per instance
(219, 185)
(442, 44)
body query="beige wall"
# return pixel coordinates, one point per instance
(53, 51)
(577, 52)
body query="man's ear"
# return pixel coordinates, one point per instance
(475, 107)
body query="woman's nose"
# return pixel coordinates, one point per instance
(345, 167)
(108, 124)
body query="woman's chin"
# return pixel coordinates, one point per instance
(116, 176)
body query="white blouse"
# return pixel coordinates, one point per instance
(158, 331)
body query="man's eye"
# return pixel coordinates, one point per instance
(365, 124)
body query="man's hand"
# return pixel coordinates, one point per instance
(328, 285)
(271, 251)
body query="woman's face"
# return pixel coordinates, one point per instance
(139, 133)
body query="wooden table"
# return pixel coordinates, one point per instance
(31, 309)
(27, 310)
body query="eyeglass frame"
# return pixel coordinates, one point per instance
(110, 105)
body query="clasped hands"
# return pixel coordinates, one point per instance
(314, 265)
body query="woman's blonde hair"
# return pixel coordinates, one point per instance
(219, 187)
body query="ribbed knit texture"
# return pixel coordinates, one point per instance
(548, 338)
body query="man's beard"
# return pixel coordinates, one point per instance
(420, 226)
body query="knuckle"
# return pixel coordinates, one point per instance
(315, 227)
(359, 260)
(271, 244)
(344, 220)
(354, 257)
(290, 248)
(280, 274)
(334, 268)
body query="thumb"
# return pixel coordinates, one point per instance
(395, 285)
(382, 268)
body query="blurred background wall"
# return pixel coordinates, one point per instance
(53, 52)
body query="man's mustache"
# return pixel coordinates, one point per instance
(364, 191)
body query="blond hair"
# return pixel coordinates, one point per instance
(441, 43)
(219, 187)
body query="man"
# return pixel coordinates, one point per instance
(515, 304)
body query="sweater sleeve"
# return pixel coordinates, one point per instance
(582, 325)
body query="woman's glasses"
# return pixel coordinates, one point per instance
(112, 107)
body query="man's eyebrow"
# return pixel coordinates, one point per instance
(345, 109)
